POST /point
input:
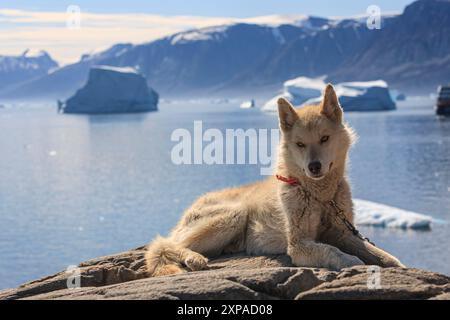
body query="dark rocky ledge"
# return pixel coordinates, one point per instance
(122, 276)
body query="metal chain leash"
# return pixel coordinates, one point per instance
(340, 214)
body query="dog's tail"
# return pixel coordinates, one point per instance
(164, 257)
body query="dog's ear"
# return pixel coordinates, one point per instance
(330, 104)
(286, 114)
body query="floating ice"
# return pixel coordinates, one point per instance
(380, 215)
(353, 96)
(248, 104)
(113, 90)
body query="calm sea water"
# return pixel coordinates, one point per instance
(77, 187)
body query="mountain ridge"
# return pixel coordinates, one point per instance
(245, 57)
(28, 65)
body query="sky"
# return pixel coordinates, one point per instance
(43, 25)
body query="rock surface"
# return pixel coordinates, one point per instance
(368, 213)
(122, 276)
(113, 90)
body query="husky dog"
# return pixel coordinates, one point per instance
(306, 215)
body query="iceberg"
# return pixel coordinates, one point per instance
(303, 88)
(297, 91)
(380, 215)
(113, 90)
(248, 104)
(365, 96)
(353, 96)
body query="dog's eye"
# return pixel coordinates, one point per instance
(300, 145)
(324, 139)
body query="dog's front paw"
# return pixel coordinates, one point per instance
(196, 262)
(350, 261)
(342, 260)
(391, 261)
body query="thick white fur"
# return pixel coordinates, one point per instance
(272, 217)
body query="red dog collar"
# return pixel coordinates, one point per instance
(290, 181)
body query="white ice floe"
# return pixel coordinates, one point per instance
(305, 88)
(353, 96)
(297, 91)
(248, 104)
(380, 215)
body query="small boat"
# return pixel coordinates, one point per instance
(443, 101)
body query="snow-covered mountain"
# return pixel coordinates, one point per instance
(27, 66)
(249, 57)
(188, 61)
(411, 52)
(238, 56)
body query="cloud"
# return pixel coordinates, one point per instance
(20, 29)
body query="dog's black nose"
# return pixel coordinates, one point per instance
(315, 167)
